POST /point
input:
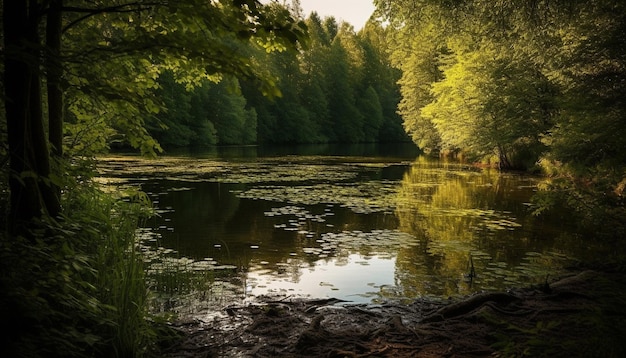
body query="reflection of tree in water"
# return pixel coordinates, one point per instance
(200, 215)
(456, 212)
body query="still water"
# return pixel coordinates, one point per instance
(363, 225)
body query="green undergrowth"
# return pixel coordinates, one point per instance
(76, 286)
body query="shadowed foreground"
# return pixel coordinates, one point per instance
(580, 315)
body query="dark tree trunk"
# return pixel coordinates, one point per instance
(31, 192)
(24, 200)
(503, 159)
(54, 72)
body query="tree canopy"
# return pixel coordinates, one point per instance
(531, 84)
(101, 62)
(340, 87)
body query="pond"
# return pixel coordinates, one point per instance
(362, 224)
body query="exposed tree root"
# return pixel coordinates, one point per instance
(469, 305)
(560, 322)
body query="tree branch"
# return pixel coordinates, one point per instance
(136, 6)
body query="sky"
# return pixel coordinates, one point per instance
(355, 12)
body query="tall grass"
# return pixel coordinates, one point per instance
(76, 287)
(120, 274)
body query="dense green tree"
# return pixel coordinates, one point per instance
(315, 101)
(204, 129)
(478, 78)
(382, 77)
(519, 83)
(347, 120)
(490, 103)
(315, 92)
(419, 71)
(226, 109)
(372, 112)
(340, 88)
(171, 127)
(85, 40)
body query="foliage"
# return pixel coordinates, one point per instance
(178, 46)
(72, 282)
(530, 85)
(338, 88)
(233, 122)
(209, 114)
(79, 287)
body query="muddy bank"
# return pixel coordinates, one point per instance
(581, 315)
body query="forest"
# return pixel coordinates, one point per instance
(534, 85)
(338, 88)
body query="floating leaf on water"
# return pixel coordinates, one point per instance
(225, 267)
(533, 254)
(180, 189)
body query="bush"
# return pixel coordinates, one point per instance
(75, 287)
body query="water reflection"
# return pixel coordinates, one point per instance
(404, 150)
(389, 229)
(467, 218)
(340, 276)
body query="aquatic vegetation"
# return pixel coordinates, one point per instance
(159, 259)
(282, 170)
(181, 285)
(276, 225)
(378, 242)
(360, 197)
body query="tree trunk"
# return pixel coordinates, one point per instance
(54, 72)
(31, 192)
(24, 201)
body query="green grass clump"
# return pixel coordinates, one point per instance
(75, 287)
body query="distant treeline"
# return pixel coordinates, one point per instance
(340, 87)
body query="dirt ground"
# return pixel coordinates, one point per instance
(581, 315)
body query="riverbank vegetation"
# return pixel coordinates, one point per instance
(75, 286)
(536, 85)
(78, 76)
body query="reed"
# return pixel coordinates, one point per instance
(76, 286)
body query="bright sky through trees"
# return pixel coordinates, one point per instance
(356, 12)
